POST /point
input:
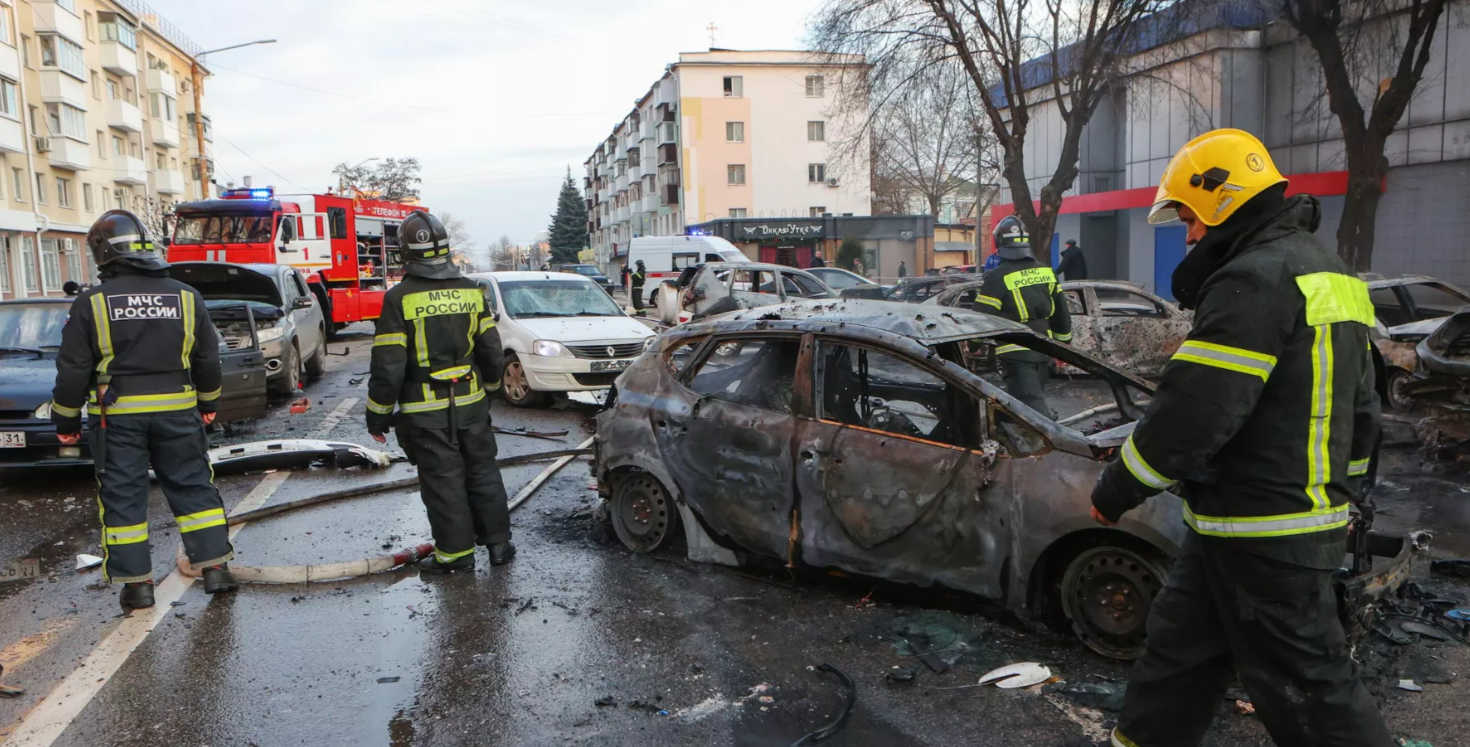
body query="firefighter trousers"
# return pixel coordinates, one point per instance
(1275, 625)
(175, 444)
(636, 296)
(460, 484)
(1023, 380)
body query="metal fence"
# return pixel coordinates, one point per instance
(150, 18)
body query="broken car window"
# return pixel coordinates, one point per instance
(1074, 302)
(1387, 307)
(749, 371)
(869, 389)
(754, 281)
(1118, 302)
(1434, 301)
(681, 354)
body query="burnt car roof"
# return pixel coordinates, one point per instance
(1374, 280)
(924, 325)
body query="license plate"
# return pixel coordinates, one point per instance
(605, 366)
(19, 569)
(12, 439)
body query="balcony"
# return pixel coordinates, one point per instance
(671, 194)
(168, 182)
(119, 60)
(130, 170)
(59, 88)
(668, 132)
(65, 153)
(52, 17)
(162, 81)
(668, 153)
(9, 61)
(12, 136)
(165, 132)
(665, 111)
(124, 116)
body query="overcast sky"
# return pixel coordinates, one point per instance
(495, 98)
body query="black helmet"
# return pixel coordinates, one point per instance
(1010, 233)
(422, 238)
(118, 236)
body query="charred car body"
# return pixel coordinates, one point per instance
(718, 287)
(853, 435)
(1408, 309)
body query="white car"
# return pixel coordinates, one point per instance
(561, 333)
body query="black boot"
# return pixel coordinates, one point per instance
(219, 580)
(502, 553)
(431, 564)
(136, 596)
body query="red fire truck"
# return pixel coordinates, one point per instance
(346, 248)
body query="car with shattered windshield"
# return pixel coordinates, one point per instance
(857, 435)
(1119, 322)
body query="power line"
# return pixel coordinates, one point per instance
(253, 158)
(323, 92)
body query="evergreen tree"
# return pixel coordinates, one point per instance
(568, 230)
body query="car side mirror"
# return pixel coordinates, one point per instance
(167, 242)
(301, 302)
(496, 317)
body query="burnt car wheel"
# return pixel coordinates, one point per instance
(642, 514)
(1106, 594)
(1398, 390)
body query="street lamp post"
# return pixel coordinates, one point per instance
(197, 74)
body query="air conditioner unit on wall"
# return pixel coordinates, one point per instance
(43, 145)
(832, 182)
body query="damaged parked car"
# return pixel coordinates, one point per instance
(1119, 322)
(717, 287)
(1408, 309)
(852, 435)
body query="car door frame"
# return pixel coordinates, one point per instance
(1115, 352)
(232, 362)
(308, 332)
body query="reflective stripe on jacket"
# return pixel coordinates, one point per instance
(1026, 291)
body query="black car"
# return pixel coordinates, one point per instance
(590, 271)
(30, 336)
(918, 289)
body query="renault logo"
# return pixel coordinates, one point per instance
(612, 352)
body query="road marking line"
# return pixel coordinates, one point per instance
(56, 712)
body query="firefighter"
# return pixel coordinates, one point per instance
(1024, 290)
(640, 276)
(1264, 422)
(140, 354)
(436, 357)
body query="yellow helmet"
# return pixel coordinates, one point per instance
(1214, 174)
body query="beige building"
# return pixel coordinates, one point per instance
(727, 134)
(96, 113)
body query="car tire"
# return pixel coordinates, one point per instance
(515, 385)
(316, 365)
(1398, 396)
(642, 513)
(289, 381)
(1106, 594)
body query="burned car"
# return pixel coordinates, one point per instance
(852, 435)
(718, 287)
(1119, 322)
(1408, 309)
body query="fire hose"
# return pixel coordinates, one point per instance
(293, 574)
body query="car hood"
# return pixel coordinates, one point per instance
(586, 328)
(1416, 329)
(26, 381)
(228, 281)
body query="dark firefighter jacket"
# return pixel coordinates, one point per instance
(639, 277)
(146, 336)
(433, 334)
(1024, 290)
(1264, 420)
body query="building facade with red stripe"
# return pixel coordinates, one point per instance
(1232, 67)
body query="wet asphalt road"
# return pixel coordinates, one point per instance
(677, 653)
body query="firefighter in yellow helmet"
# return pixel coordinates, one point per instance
(1264, 423)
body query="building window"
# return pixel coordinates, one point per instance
(123, 197)
(50, 265)
(8, 100)
(734, 86)
(817, 212)
(73, 260)
(734, 132)
(163, 106)
(815, 87)
(18, 184)
(67, 120)
(111, 89)
(96, 85)
(119, 146)
(70, 5)
(118, 30)
(5, 28)
(5, 262)
(63, 192)
(735, 174)
(28, 263)
(816, 131)
(816, 172)
(88, 203)
(41, 188)
(60, 53)
(737, 212)
(25, 51)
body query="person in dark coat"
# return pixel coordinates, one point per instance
(1074, 263)
(817, 260)
(903, 270)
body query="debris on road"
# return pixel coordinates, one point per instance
(1410, 686)
(849, 699)
(1454, 567)
(388, 680)
(295, 453)
(85, 561)
(10, 691)
(1014, 676)
(300, 406)
(1245, 708)
(900, 674)
(606, 701)
(296, 574)
(545, 435)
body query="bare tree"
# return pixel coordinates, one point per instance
(459, 239)
(393, 179)
(1373, 55)
(927, 132)
(503, 254)
(1018, 56)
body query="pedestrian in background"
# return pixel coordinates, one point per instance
(903, 270)
(639, 277)
(817, 260)
(1074, 264)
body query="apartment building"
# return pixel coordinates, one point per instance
(96, 113)
(1239, 65)
(728, 134)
